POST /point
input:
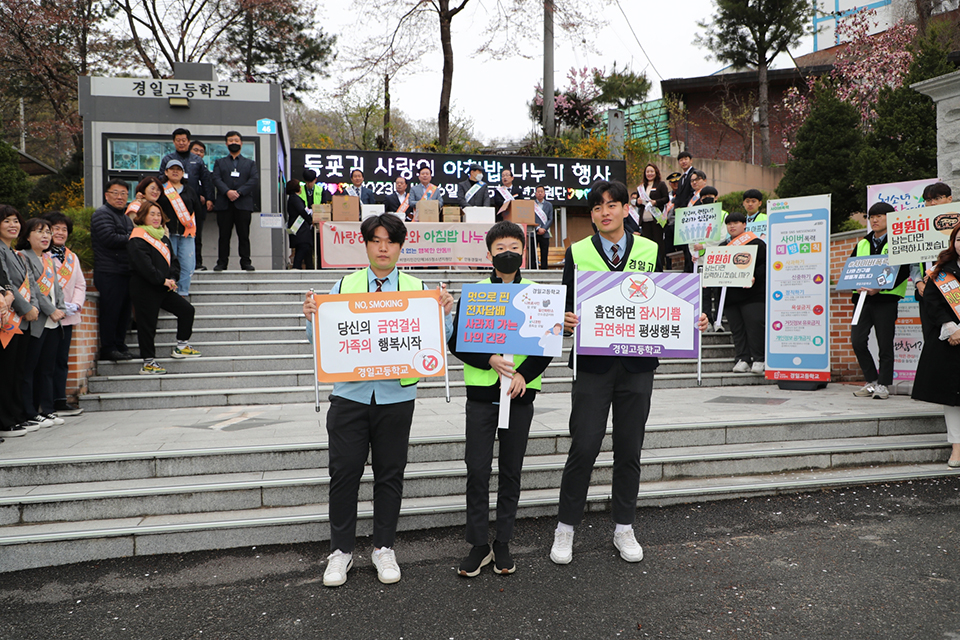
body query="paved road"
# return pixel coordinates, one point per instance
(869, 562)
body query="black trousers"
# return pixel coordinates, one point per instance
(303, 255)
(37, 382)
(747, 324)
(882, 318)
(353, 430)
(227, 220)
(148, 301)
(13, 360)
(61, 365)
(114, 310)
(200, 217)
(592, 395)
(543, 242)
(481, 431)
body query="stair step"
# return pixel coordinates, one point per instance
(50, 544)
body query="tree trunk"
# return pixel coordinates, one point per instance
(386, 111)
(764, 99)
(443, 117)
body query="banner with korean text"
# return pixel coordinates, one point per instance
(899, 195)
(384, 336)
(867, 272)
(427, 244)
(522, 319)
(700, 223)
(638, 314)
(729, 266)
(798, 289)
(919, 235)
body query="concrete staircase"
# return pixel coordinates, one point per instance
(65, 509)
(249, 327)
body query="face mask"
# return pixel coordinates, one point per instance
(633, 201)
(507, 262)
(233, 148)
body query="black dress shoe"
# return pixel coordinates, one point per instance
(201, 268)
(126, 355)
(114, 355)
(247, 267)
(219, 268)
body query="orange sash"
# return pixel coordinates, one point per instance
(132, 208)
(950, 288)
(743, 238)
(186, 218)
(45, 281)
(66, 269)
(406, 203)
(428, 191)
(11, 327)
(138, 232)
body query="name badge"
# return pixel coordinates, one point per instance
(186, 177)
(234, 174)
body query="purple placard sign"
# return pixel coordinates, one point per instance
(638, 314)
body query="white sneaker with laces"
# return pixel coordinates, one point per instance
(741, 367)
(866, 391)
(626, 543)
(385, 560)
(757, 368)
(338, 564)
(880, 392)
(562, 551)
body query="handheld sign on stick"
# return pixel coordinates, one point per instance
(316, 368)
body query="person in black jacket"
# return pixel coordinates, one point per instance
(401, 199)
(938, 376)
(506, 192)
(300, 225)
(236, 179)
(746, 308)
(482, 372)
(109, 233)
(182, 225)
(153, 286)
(473, 191)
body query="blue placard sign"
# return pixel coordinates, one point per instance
(266, 126)
(867, 272)
(519, 319)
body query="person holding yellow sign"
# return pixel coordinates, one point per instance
(370, 417)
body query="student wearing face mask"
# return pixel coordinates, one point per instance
(481, 373)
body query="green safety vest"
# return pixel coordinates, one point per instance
(643, 255)
(761, 217)
(359, 282)
(863, 249)
(474, 377)
(317, 194)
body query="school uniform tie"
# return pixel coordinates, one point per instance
(379, 282)
(615, 260)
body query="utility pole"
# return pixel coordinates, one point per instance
(549, 121)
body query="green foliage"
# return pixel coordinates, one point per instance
(621, 88)
(850, 224)
(14, 187)
(733, 201)
(903, 142)
(827, 145)
(748, 32)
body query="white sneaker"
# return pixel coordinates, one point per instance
(741, 367)
(52, 417)
(338, 564)
(562, 551)
(880, 392)
(866, 391)
(626, 543)
(757, 368)
(385, 560)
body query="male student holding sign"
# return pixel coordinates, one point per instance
(481, 374)
(746, 307)
(371, 416)
(602, 381)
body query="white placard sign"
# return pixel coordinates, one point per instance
(729, 266)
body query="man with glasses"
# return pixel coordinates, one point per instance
(110, 230)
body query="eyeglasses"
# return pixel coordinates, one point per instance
(118, 193)
(934, 200)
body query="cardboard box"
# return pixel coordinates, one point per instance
(428, 211)
(521, 212)
(321, 213)
(367, 210)
(346, 208)
(480, 215)
(451, 214)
